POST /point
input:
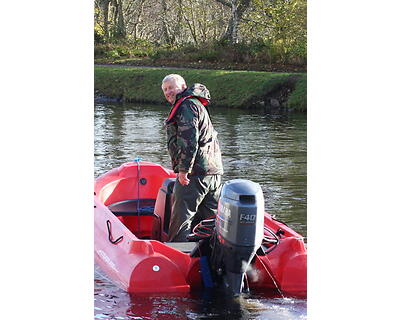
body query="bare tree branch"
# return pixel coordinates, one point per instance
(225, 3)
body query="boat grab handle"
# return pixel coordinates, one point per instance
(110, 236)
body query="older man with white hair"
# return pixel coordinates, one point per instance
(195, 155)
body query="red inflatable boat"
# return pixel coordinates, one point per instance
(132, 209)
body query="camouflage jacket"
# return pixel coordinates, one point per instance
(192, 141)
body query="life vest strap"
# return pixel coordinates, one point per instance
(173, 111)
(175, 108)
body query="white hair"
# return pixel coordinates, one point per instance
(176, 77)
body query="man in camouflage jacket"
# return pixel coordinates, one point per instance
(195, 155)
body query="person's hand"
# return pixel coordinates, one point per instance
(183, 178)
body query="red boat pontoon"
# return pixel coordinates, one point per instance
(131, 216)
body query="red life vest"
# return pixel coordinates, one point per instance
(173, 111)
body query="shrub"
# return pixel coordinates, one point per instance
(112, 53)
(257, 52)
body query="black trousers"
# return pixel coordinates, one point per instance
(192, 203)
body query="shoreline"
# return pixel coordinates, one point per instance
(271, 91)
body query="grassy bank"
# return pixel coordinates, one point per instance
(234, 89)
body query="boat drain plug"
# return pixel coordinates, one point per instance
(156, 268)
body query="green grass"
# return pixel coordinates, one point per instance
(298, 98)
(234, 89)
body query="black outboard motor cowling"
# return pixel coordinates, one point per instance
(239, 231)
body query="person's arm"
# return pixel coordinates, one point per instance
(187, 139)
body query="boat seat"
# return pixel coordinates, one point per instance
(186, 247)
(139, 217)
(130, 207)
(165, 199)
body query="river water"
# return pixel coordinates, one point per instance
(268, 149)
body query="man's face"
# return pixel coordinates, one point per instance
(171, 89)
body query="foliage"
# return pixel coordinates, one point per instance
(272, 31)
(113, 52)
(256, 55)
(98, 35)
(283, 23)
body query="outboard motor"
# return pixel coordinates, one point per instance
(239, 231)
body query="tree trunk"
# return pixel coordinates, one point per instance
(179, 24)
(121, 20)
(238, 8)
(231, 33)
(119, 31)
(167, 35)
(136, 21)
(104, 4)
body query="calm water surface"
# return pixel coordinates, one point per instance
(268, 149)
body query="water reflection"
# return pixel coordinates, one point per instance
(122, 133)
(113, 303)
